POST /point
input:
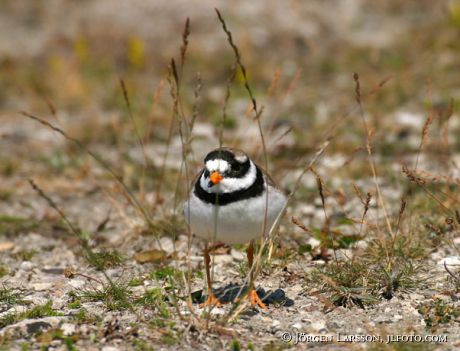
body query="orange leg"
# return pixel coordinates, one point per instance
(212, 299)
(253, 296)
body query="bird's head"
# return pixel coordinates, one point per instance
(227, 170)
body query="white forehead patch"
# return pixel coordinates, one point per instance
(241, 158)
(229, 185)
(217, 165)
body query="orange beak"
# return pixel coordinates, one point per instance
(215, 177)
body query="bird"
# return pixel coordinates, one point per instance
(227, 203)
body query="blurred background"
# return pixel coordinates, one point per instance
(62, 61)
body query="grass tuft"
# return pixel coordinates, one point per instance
(11, 225)
(437, 312)
(348, 283)
(105, 259)
(116, 297)
(10, 297)
(40, 311)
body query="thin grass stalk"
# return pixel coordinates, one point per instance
(423, 137)
(319, 183)
(255, 270)
(138, 137)
(369, 152)
(257, 116)
(230, 80)
(185, 133)
(156, 98)
(134, 201)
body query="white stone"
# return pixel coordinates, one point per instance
(319, 325)
(410, 119)
(314, 243)
(38, 299)
(22, 326)
(450, 261)
(203, 130)
(68, 329)
(113, 272)
(58, 302)
(334, 161)
(307, 210)
(77, 283)
(237, 255)
(216, 311)
(361, 244)
(165, 243)
(222, 259)
(182, 244)
(42, 286)
(27, 265)
(14, 310)
(344, 254)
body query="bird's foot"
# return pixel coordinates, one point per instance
(212, 300)
(254, 298)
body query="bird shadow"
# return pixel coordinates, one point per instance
(232, 292)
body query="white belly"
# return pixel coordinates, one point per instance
(237, 222)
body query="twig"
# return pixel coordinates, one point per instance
(450, 272)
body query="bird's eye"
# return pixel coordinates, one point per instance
(206, 174)
(236, 167)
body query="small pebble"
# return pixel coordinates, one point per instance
(319, 326)
(222, 259)
(77, 283)
(27, 265)
(68, 329)
(237, 255)
(42, 286)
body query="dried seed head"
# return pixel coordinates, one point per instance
(413, 177)
(298, 223)
(69, 272)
